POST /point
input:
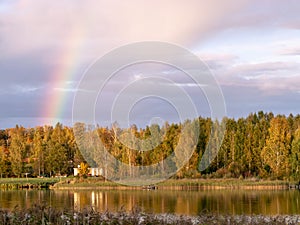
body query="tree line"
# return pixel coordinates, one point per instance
(262, 145)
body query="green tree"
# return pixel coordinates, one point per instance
(17, 150)
(3, 161)
(56, 152)
(186, 146)
(295, 155)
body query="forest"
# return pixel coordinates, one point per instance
(262, 145)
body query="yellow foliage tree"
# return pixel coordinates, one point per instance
(83, 170)
(275, 154)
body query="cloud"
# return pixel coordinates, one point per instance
(44, 25)
(66, 89)
(269, 14)
(241, 100)
(96, 27)
(266, 67)
(218, 61)
(268, 70)
(28, 25)
(273, 78)
(25, 89)
(290, 51)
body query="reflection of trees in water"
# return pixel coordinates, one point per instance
(179, 202)
(193, 203)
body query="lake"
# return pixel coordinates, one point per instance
(233, 202)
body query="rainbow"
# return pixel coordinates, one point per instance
(64, 72)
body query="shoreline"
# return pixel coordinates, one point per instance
(203, 188)
(172, 184)
(178, 185)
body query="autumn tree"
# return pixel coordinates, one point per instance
(276, 152)
(261, 145)
(39, 151)
(83, 170)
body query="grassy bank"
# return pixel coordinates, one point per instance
(184, 184)
(47, 215)
(172, 184)
(19, 183)
(223, 184)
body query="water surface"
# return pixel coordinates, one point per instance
(234, 202)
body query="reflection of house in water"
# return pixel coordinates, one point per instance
(76, 201)
(94, 172)
(98, 200)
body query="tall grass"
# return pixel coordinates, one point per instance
(40, 214)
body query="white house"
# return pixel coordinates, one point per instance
(92, 171)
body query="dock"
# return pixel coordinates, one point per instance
(149, 187)
(294, 186)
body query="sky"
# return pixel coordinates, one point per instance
(252, 48)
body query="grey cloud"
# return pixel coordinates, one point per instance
(21, 69)
(21, 105)
(267, 13)
(290, 51)
(262, 68)
(241, 100)
(217, 62)
(272, 78)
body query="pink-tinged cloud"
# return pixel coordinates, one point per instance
(29, 25)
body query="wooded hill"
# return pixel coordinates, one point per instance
(262, 145)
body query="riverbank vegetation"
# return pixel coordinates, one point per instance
(171, 184)
(40, 214)
(19, 183)
(175, 184)
(260, 146)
